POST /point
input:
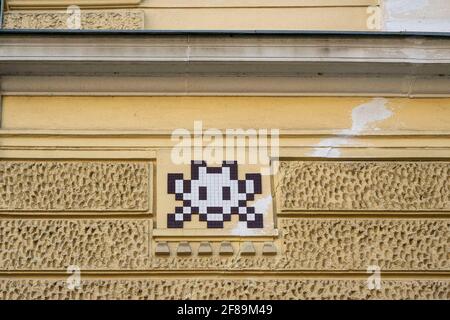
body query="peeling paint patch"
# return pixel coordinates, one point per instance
(405, 7)
(417, 15)
(364, 117)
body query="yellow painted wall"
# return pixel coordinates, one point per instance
(200, 14)
(296, 18)
(362, 182)
(167, 113)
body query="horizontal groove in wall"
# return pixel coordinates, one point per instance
(366, 215)
(78, 215)
(27, 4)
(167, 133)
(293, 215)
(255, 4)
(77, 148)
(200, 274)
(233, 94)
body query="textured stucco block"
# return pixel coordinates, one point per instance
(354, 244)
(97, 19)
(235, 289)
(74, 186)
(363, 185)
(41, 244)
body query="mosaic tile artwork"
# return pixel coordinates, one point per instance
(214, 193)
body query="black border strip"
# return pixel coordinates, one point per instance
(304, 33)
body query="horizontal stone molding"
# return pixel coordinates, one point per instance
(231, 85)
(245, 63)
(256, 4)
(90, 20)
(92, 244)
(244, 53)
(268, 289)
(33, 4)
(68, 186)
(45, 4)
(363, 186)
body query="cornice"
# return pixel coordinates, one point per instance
(202, 64)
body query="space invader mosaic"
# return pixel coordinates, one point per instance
(214, 194)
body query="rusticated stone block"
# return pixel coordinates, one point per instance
(101, 19)
(363, 185)
(354, 244)
(113, 244)
(239, 289)
(74, 186)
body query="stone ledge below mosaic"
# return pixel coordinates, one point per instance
(208, 248)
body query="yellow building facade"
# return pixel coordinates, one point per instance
(197, 163)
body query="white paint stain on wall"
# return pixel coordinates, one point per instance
(417, 15)
(364, 117)
(261, 205)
